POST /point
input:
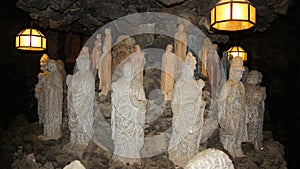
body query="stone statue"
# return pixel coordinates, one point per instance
(180, 46)
(255, 100)
(193, 46)
(128, 117)
(233, 111)
(225, 63)
(168, 72)
(138, 61)
(53, 103)
(62, 70)
(95, 56)
(39, 87)
(210, 158)
(188, 111)
(203, 56)
(81, 97)
(105, 64)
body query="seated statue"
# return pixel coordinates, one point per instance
(188, 113)
(128, 117)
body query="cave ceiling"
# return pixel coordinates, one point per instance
(87, 16)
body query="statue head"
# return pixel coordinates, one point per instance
(236, 68)
(189, 65)
(98, 36)
(52, 66)
(107, 31)
(169, 48)
(84, 51)
(253, 77)
(137, 48)
(181, 28)
(83, 62)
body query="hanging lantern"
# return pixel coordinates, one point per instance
(30, 39)
(233, 15)
(237, 51)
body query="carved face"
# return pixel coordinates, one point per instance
(180, 28)
(83, 64)
(251, 80)
(237, 74)
(52, 65)
(169, 48)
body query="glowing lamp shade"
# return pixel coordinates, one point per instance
(30, 39)
(233, 15)
(237, 51)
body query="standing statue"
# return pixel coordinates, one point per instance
(225, 63)
(203, 56)
(188, 111)
(61, 68)
(128, 117)
(138, 61)
(53, 103)
(193, 46)
(95, 56)
(180, 46)
(255, 100)
(168, 72)
(105, 64)
(233, 111)
(81, 97)
(39, 87)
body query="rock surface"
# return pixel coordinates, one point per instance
(21, 148)
(88, 16)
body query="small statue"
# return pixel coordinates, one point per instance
(168, 72)
(81, 97)
(53, 103)
(255, 101)
(233, 111)
(225, 63)
(180, 46)
(39, 87)
(138, 60)
(188, 113)
(128, 117)
(95, 56)
(61, 68)
(105, 64)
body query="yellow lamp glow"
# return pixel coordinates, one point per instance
(30, 39)
(233, 15)
(237, 51)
